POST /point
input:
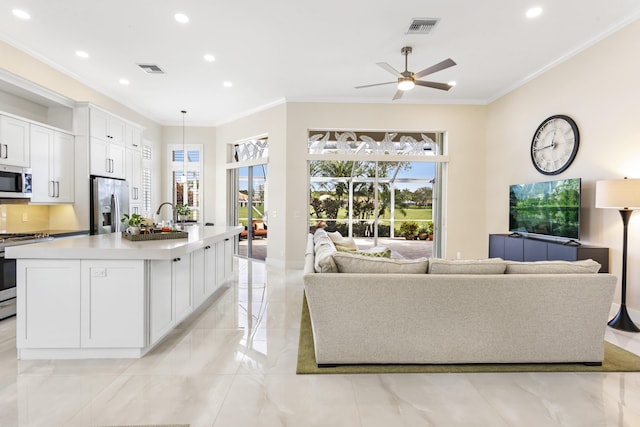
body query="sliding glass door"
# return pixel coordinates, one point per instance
(251, 211)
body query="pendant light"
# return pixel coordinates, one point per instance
(183, 178)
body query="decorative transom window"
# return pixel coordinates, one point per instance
(252, 149)
(370, 143)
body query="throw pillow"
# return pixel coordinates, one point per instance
(259, 225)
(355, 263)
(324, 258)
(467, 266)
(372, 252)
(342, 242)
(586, 266)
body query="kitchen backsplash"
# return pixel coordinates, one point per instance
(21, 218)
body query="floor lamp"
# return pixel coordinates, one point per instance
(624, 195)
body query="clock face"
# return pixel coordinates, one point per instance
(555, 145)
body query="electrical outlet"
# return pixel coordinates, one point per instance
(25, 217)
(98, 272)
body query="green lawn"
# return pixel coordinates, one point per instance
(243, 213)
(413, 214)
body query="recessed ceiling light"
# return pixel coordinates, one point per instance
(82, 54)
(124, 82)
(227, 84)
(452, 83)
(209, 58)
(534, 12)
(21, 14)
(181, 18)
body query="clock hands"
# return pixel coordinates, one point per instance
(552, 145)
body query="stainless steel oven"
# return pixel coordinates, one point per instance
(7, 286)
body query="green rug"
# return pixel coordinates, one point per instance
(616, 359)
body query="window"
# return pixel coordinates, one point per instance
(146, 180)
(186, 171)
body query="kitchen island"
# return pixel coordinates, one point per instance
(105, 296)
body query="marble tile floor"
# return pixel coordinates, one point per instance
(233, 364)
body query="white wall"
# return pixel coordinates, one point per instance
(600, 89)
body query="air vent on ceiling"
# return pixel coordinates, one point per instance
(151, 68)
(422, 25)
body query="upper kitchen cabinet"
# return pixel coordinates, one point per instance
(106, 127)
(133, 137)
(52, 164)
(107, 138)
(14, 142)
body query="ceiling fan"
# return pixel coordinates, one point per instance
(407, 80)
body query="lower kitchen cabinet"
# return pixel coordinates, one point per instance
(43, 323)
(111, 300)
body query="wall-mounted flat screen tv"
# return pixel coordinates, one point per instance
(550, 208)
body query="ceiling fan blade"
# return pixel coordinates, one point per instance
(441, 86)
(376, 84)
(398, 94)
(435, 68)
(389, 68)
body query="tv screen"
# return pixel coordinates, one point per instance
(550, 208)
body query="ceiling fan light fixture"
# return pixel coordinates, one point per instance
(406, 84)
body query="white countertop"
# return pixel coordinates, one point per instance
(114, 246)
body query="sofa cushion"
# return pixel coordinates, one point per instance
(376, 251)
(467, 266)
(553, 267)
(347, 262)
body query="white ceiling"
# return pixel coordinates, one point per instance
(301, 50)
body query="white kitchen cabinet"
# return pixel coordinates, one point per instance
(133, 137)
(112, 301)
(161, 314)
(224, 260)
(198, 272)
(106, 127)
(42, 323)
(133, 175)
(181, 277)
(211, 281)
(170, 294)
(52, 164)
(107, 159)
(14, 142)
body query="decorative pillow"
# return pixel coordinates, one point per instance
(342, 242)
(467, 266)
(372, 252)
(553, 267)
(354, 263)
(319, 234)
(324, 258)
(259, 226)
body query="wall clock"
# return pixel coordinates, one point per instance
(555, 144)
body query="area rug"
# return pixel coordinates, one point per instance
(153, 425)
(616, 359)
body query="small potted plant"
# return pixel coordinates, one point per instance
(183, 212)
(409, 230)
(133, 222)
(423, 232)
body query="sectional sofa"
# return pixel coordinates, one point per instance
(376, 310)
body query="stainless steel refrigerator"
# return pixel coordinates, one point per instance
(109, 201)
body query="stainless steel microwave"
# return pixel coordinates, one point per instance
(15, 182)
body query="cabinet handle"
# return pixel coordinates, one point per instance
(52, 189)
(6, 151)
(207, 247)
(176, 259)
(57, 188)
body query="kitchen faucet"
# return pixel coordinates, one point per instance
(175, 213)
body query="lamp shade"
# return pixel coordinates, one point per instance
(618, 194)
